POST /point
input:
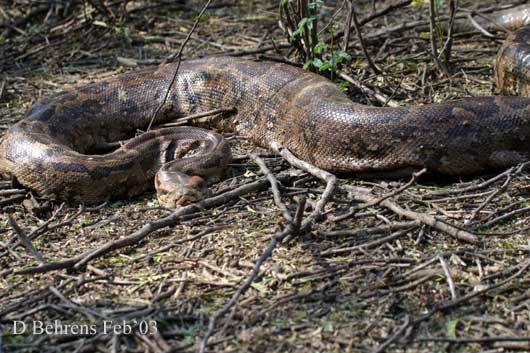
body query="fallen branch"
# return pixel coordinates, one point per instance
(327, 177)
(376, 202)
(364, 195)
(360, 39)
(274, 186)
(172, 219)
(379, 96)
(198, 117)
(24, 240)
(277, 239)
(513, 170)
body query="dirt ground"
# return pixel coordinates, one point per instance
(428, 265)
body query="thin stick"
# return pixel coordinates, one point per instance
(490, 197)
(357, 26)
(327, 177)
(446, 50)
(393, 337)
(304, 13)
(448, 277)
(354, 210)
(363, 195)
(288, 23)
(434, 45)
(172, 219)
(481, 29)
(277, 239)
(515, 170)
(380, 97)
(314, 27)
(24, 240)
(274, 186)
(377, 14)
(299, 213)
(505, 216)
(209, 114)
(179, 60)
(2, 87)
(465, 298)
(348, 27)
(178, 242)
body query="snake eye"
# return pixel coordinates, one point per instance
(196, 182)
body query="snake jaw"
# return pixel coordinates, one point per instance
(175, 189)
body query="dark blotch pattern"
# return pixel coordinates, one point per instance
(275, 104)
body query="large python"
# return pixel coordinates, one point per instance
(56, 148)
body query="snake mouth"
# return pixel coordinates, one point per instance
(175, 189)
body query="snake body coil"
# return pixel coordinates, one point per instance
(52, 149)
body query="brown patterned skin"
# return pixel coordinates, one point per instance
(50, 150)
(512, 71)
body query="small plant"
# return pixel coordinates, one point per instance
(299, 19)
(326, 60)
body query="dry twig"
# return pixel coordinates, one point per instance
(363, 195)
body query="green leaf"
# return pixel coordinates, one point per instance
(302, 23)
(100, 24)
(320, 48)
(451, 328)
(343, 56)
(418, 2)
(117, 204)
(438, 5)
(318, 63)
(344, 85)
(314, 4)
(300, 28)
(328, 327)
(326, 65)
(259, 287)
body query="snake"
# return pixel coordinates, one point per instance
(60, 149)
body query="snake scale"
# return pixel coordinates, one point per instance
(55, 149)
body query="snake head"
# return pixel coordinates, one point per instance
(176, 189)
